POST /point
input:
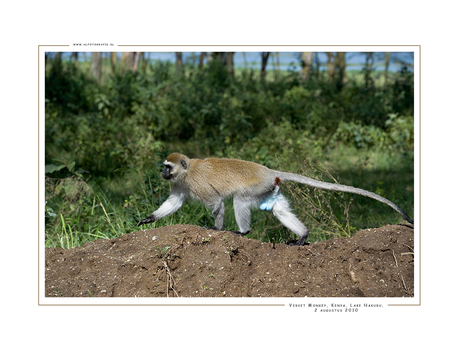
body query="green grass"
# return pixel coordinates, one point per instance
(391, 176)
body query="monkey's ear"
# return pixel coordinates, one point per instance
(184, 164)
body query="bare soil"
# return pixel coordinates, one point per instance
(189, 261)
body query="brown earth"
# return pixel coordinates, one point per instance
(189, 261)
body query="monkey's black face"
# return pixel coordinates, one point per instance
(167, 172)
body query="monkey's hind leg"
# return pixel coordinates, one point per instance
(242, 215)
(218, 211)
(282, 211)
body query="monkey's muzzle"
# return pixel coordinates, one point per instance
(167, 173)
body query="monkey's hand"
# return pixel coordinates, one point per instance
(149, 219)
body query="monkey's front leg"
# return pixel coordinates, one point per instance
(174, 202)
(211, 228)
(218, 212)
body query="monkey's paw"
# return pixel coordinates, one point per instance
(211, 228)
(239, 233)
(300, 242)
(149, 219)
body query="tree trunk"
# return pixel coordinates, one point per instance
(222, 56)
(135, 61)
(126, 58)
(230, 67)
(245, 61)
(202, 57)
(368, 67)
(226, 58)
(277, 55)
(113, 61)
(179, 61)
(307, 64)
(145, 61)
(130, 60)
(96, 65)
(124, 63)
(387, 66)
(341, 68)
(265, 56)
(316, 63)
(75, 58)
(330, 65)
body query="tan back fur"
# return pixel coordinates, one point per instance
(217, 178)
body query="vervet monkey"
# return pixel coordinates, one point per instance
(250, 184)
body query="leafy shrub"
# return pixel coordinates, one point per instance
(400, 131)
(359, 136)
(67, 87)
(277, 141)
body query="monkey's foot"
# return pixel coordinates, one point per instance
(300, 242)
(239, 233)
(149, 219)
(212, 228)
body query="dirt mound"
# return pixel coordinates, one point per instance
(189, 261)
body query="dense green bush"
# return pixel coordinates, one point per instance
(205, 111)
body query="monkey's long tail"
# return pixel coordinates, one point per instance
(340, 188)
